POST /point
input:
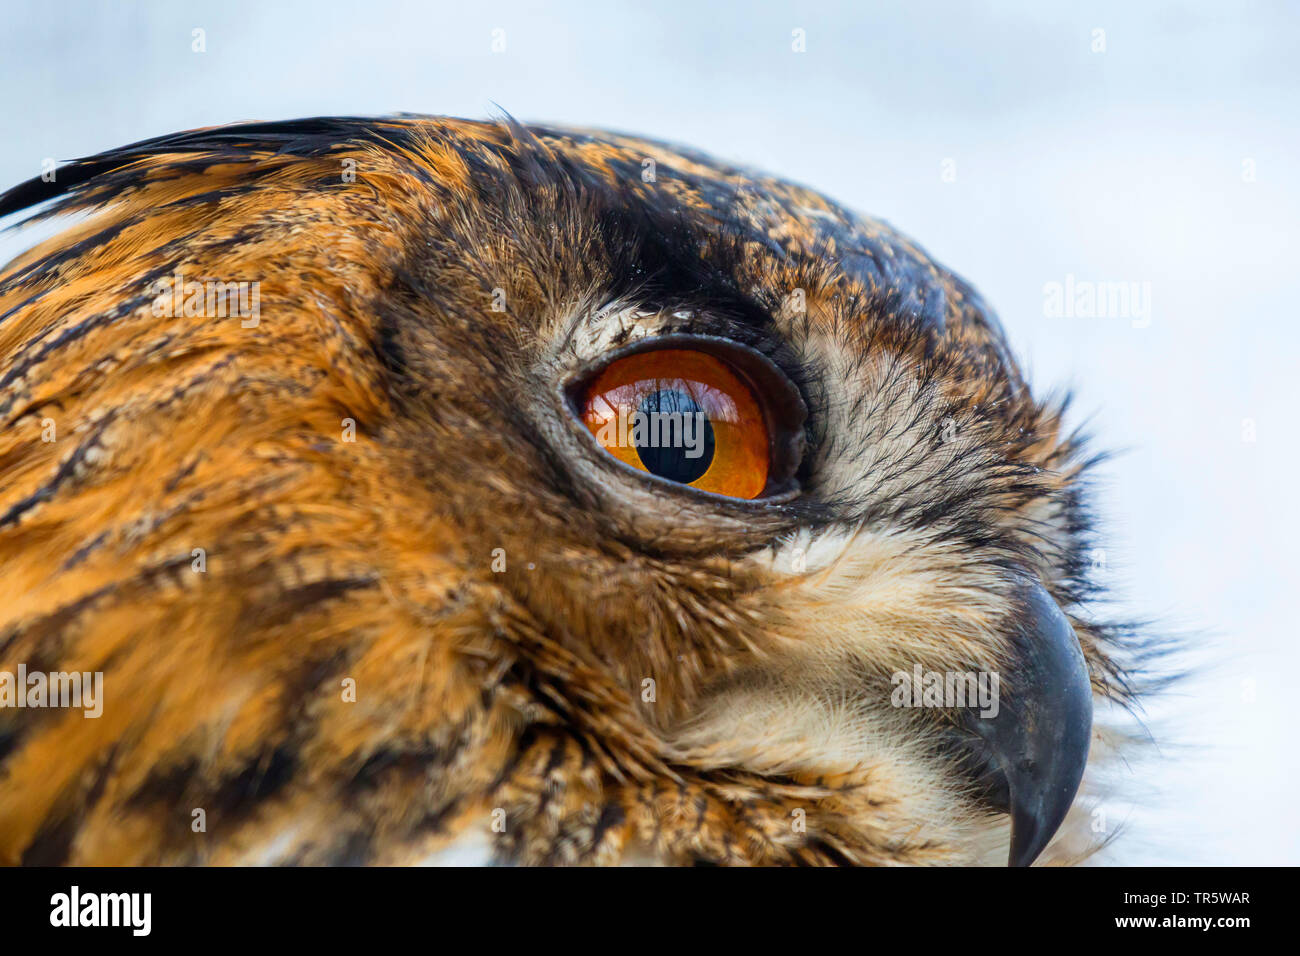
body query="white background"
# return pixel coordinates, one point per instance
(1123, 165)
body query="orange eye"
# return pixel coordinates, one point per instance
(685, 415)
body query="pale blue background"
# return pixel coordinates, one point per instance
(1124, 165)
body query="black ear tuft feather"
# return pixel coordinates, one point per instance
(316, 136)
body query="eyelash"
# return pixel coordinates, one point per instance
(709, 322)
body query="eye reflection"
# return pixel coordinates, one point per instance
(688, 453)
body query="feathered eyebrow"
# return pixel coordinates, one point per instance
(667, 273)
(589, 332)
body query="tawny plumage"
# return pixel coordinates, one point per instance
(363, 587)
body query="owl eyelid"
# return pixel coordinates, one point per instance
(782, 404)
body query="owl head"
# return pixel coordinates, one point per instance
(422, 483)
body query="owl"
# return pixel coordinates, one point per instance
(392, 490)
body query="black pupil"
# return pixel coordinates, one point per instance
(673, 436)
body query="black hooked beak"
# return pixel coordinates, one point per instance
(1039, 737)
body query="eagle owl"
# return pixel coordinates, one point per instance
(420, 484)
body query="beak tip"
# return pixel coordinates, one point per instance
(1042, 738)
(1027, 841)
